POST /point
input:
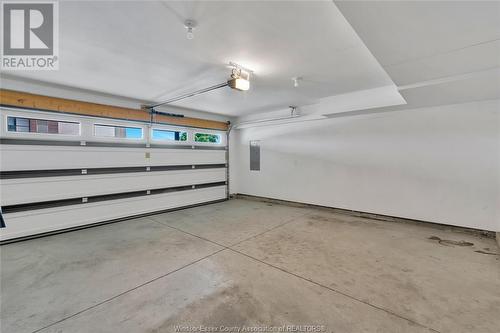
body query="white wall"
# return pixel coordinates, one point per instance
(439, 164)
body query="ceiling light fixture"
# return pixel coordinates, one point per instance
(240, 79)
(190, 25)
(239, 84)
(296, 81)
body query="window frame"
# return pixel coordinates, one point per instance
(86, 129)
(115, 137)
(42, 118)
(170, 129)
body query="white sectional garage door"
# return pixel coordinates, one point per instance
(62, 171)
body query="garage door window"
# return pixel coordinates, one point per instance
(166, 135)
(30, 125)
(207, 137)
(109, 131)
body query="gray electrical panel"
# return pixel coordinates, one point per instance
(255, 155)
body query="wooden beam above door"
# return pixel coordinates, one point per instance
(47, 103)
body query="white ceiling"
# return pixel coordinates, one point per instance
(438, 52)
(140, 50)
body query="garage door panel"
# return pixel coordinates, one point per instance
(19, 157)
(198, 156)
(45, 220)
(57, 171)
(27, 190)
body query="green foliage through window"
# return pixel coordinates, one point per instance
(205, 137)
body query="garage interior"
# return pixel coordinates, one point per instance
(254, 166)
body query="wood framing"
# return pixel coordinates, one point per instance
(47, 103)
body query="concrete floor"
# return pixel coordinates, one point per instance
(248, 263)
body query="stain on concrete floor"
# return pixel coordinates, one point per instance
(451, 242)
(485, 252)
